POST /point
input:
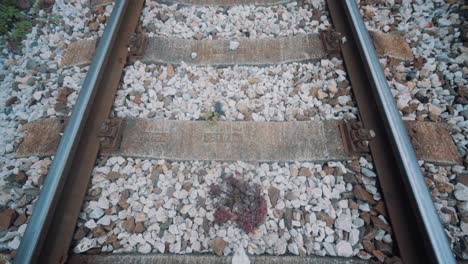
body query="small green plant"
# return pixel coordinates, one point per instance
(14, 24)
(211, 116)
(55, 19)
(214, 115)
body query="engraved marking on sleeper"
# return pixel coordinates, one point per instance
(222, 138)
(158, 137)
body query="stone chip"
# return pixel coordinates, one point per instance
(273, 193)
(218, 246)
(7, 217)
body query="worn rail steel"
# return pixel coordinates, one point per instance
(49, 232)
(415, 222)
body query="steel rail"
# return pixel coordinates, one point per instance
(435, 241)
(39, 224)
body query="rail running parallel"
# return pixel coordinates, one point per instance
(412, 213)
(50, 229)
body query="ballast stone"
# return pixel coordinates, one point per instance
(344, 249)
(461, 192)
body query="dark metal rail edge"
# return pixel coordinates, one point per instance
(416, 226)
(50, 229)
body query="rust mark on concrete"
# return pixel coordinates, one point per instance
(138, 45)
(42, 138)
(392, 45)
(79, 53)
(432, 142)
(250, 51)
(249, 141)
(355, 137)
(110, 134)
(331, 41)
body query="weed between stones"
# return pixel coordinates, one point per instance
(239, 201)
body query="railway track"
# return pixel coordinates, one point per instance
(368, 125)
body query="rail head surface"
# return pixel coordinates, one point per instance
(39, 224)
(434, 239)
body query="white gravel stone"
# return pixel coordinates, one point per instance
(96, 213)
(233, 45)
(14, 244)
(344, 249)
(293, 248)
(105, 220)
(243, 21)
(461, 192)
(354, 237)
(245, 93)
(84, 245)
(368, 173)
(240, 257)
(167, 220)
(145, 248)
(329, 248)
(344, 222)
